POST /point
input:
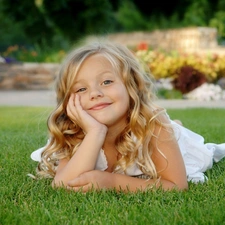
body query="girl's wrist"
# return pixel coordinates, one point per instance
(99, 130)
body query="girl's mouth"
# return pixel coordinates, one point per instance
(99, 106)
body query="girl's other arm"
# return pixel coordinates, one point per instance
(167, 157)
(168, 162)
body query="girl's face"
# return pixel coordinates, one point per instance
(102, 92)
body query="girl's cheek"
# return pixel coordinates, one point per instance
(82, 101)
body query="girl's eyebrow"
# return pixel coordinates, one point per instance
(98, 75)
(78, 81)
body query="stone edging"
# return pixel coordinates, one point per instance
(27, 76)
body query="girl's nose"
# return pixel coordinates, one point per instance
(95, 93)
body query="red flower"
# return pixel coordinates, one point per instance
(142, 46)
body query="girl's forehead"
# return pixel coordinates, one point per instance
(103, 57)
(95, 61)
(94, 64)
(97, 57)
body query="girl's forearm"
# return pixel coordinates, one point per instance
(83, 160)
(126, 183)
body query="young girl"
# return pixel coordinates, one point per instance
(106, 132)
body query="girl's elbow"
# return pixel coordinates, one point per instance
(176, 185)
(182, 186)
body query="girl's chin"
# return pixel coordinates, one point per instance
(104, 121)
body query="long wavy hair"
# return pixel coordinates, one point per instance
(134, 142)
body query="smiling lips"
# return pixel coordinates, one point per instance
(100, 106)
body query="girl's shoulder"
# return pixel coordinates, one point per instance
(161, 114)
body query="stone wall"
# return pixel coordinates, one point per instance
(33, 76)
(27, 76)
(186, 39)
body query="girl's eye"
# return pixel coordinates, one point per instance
(107, 82)
(81, 90)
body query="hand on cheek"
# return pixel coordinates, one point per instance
(71, 110)
(78, 115)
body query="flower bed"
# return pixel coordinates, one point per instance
(185, 72)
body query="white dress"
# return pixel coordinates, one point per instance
(197, 155)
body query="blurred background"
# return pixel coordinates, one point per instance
(182, 41)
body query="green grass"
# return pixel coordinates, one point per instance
(27, 201)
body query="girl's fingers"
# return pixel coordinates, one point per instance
(74, 105)
(83, 189)
(77, 182)
(71, 100)
(77, 114)
(77, 104)
(71, 109)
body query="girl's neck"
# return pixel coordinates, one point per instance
(110, 139)
(112, 134)
(109, 148)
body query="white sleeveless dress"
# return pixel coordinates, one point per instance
(197, 155)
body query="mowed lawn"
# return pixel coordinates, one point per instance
(26, 201)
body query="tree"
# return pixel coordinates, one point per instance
(30, 18)
(130, 18)
(198, 13)
(10, 32)
(167, 8)
(43, 19)
(77, 18)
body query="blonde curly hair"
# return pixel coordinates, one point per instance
(133, 143)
